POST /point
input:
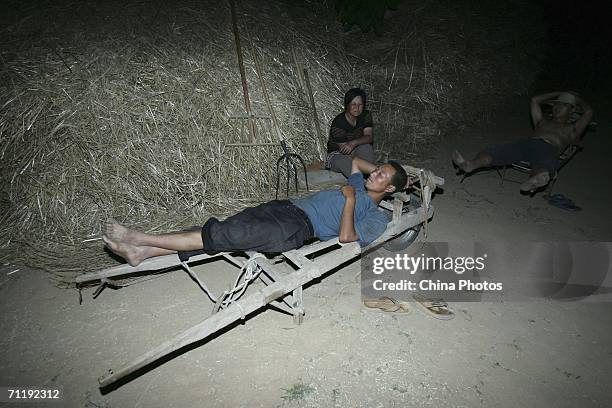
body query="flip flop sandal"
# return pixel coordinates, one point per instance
(387, 304)
(437, 308)
(561, 201)
(555, 197)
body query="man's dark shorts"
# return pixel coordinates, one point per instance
(275, 226)
(541, 155)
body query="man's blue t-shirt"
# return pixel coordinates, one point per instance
(324, 209)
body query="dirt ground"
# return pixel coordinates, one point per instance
(502, 354)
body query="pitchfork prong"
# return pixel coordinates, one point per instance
(304, 167)
(290, 164)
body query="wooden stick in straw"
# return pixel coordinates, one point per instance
(245, 88)
(264, 89)
(315, 117)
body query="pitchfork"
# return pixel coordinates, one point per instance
(290, 159)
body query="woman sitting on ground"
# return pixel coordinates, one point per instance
(350, 134)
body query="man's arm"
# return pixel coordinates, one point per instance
(362, 166)
(347, 231)
(586, 117)
(536, 109)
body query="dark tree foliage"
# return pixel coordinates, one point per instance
(368, 15)
(578, 51)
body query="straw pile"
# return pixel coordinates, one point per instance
(127, 110)
(130, 117)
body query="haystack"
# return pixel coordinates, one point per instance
(138, 114)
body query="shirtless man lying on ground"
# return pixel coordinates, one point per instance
(550, 137)
(350, 213)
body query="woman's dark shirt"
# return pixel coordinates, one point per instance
(342, 131)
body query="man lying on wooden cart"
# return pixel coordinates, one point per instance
(351, 214)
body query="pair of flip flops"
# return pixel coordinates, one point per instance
(436, 308)
(561, 201)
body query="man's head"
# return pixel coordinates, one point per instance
(388, 178)
(563, 105)
(355, 96)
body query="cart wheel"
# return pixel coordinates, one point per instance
(401, 242)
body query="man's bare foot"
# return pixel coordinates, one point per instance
(132, 253)
(535, 182)
(119, 233)
(460, 162)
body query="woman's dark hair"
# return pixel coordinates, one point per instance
(400, 178)
(352, 94)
